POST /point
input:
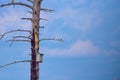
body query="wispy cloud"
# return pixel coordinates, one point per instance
(80, 48)
(76, 49)
(13, 20)
(81, 19)
(78, 19)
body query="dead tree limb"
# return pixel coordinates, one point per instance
(27, 19)
(17, 30)
(43, 19)
(16, 37)
(54, 39)
(32, 20)
(46, 10)
(27, 37)
(14, 63)
(17, 3)
(41, 27)
(20, 40)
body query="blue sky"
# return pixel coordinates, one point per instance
(91, 48)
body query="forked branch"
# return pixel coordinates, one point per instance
(17, 37)
(17, 3)
(19, 40)
(17, 30)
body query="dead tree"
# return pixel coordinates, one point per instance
(33, 36)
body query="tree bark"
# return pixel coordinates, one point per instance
(35, 40)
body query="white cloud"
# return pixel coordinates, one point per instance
(76, 49)
(79, 19)
(84, 47)
(11, 19)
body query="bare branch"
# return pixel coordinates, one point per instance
(15, 37)
(18, 40)
(43, 19)
(13, 40)
(26, 19)
(46, 10)
(32, 20)
(52, 39)
(17, 3)
(41, 27)
(18, 30)
(27, 37)
(14, 63)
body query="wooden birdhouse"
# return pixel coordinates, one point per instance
(39, 58)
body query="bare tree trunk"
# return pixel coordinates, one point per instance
(35, 40)
(33, 36)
